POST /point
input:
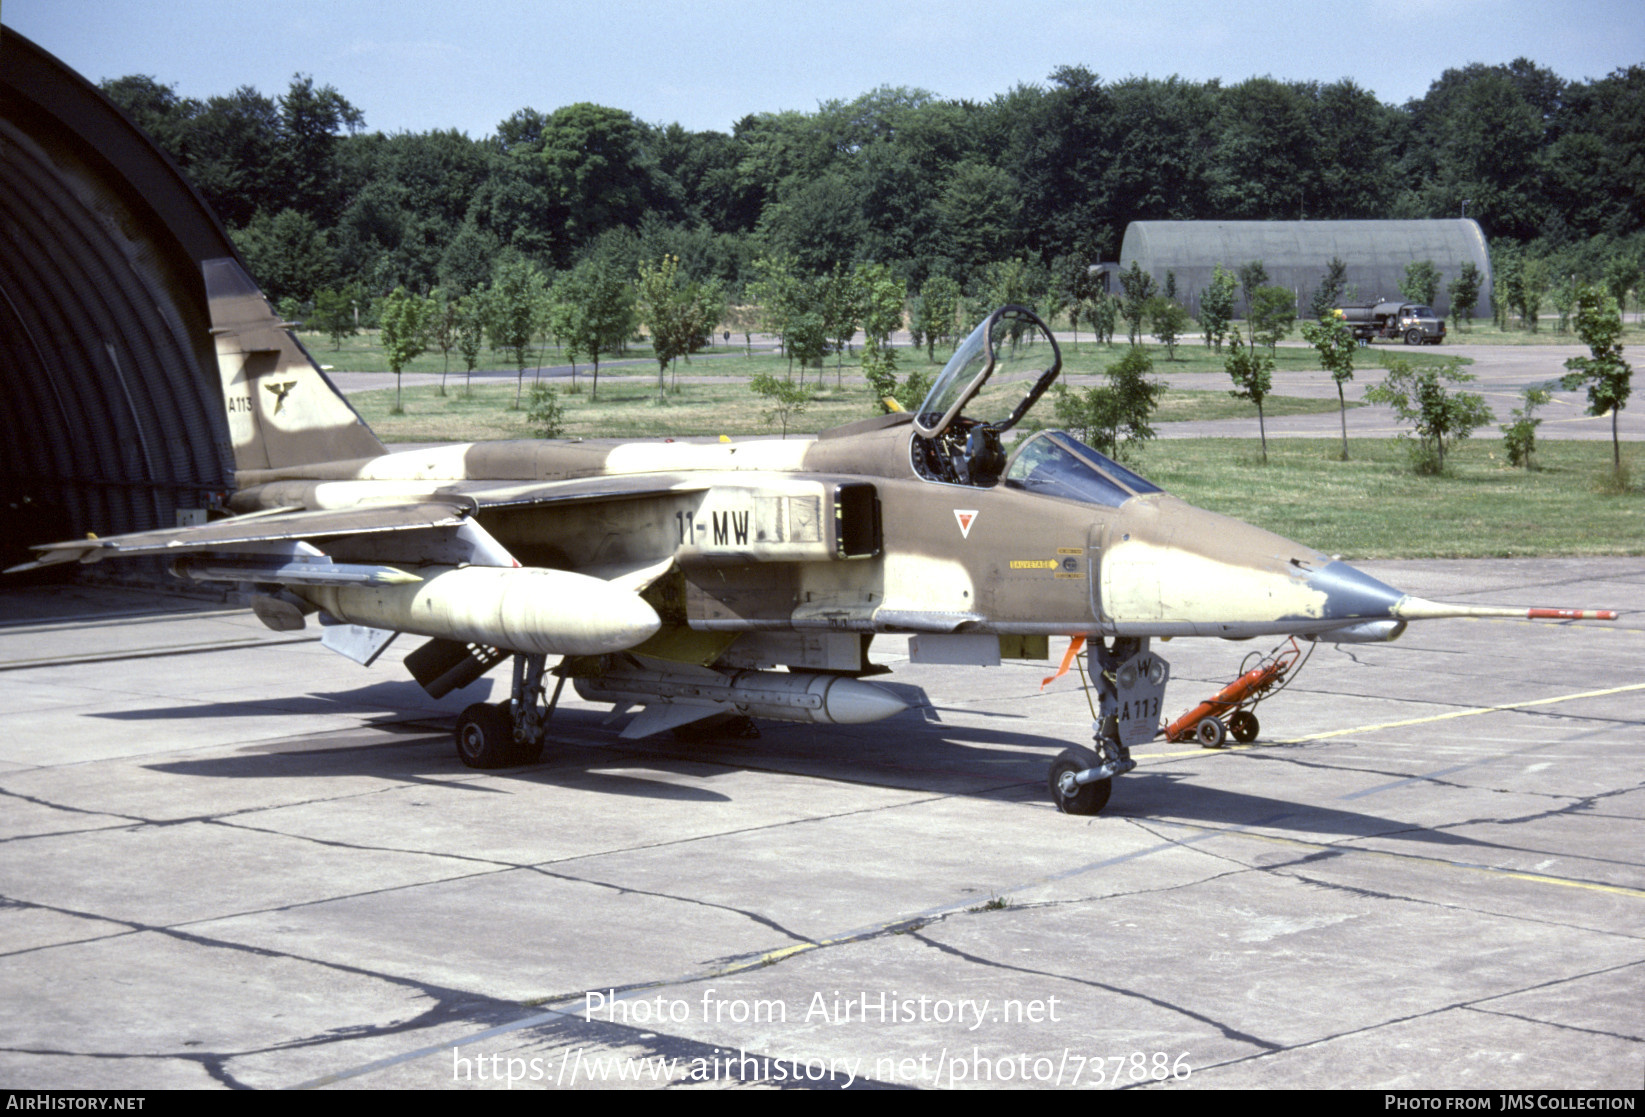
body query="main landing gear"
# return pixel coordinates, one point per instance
(504, 734)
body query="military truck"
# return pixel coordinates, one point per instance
(1391, 320)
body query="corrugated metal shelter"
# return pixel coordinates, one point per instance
(111, 408)
(1295, 254)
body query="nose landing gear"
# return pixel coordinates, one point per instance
(1130, 685)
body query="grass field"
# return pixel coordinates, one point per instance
(628, 408)
(362, 353)
(1374, 506)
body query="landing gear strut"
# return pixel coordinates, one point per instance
(503, 734)
(1130, 682)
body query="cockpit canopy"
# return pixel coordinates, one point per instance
(987, 386)
(1054, 463)
(995, 375)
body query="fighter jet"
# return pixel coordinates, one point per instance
(674, 577)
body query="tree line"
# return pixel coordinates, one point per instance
(1041, 179)
(900, 208)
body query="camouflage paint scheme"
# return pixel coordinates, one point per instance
(671, 567)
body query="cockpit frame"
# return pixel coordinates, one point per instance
(984, 390)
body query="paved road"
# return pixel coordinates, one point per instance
(229, 858)
(1503, 372)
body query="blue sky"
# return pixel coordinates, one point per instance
(706, 63)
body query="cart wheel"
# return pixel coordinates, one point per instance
(1210, 733)
(1244, 726)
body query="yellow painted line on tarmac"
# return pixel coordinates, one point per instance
(1473, 712)
(1201, 752)
(778, 955)
(1437, 862)
(897, 923)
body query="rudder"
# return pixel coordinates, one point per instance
(282, 409)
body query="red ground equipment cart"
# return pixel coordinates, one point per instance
(1229, 710)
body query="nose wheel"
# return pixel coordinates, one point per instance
(1071, 796)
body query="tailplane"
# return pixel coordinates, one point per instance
(282, 410)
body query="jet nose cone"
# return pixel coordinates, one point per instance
(1350, 594)
(1175, 570)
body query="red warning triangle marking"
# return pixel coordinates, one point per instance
(966, 517)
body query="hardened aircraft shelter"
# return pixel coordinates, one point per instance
(1296, 253)
(111, 414)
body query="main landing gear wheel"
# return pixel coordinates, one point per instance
(485, 736)
(1075, 798)
(1210, 733)
(1244, 725)
(1413, 337)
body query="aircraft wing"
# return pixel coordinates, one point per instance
(507, 494)
(254, 533)
(275, 530)
(425, 566)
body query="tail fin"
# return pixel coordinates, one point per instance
(282, 410)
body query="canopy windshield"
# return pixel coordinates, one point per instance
(1053, 463)
(995, 375)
